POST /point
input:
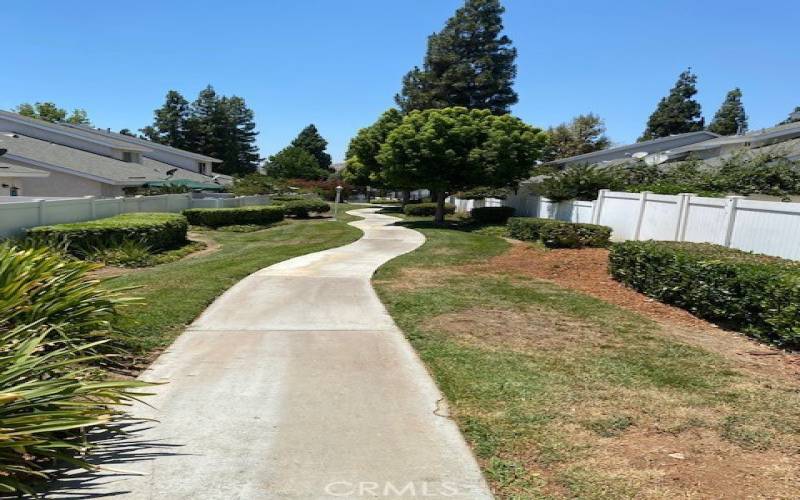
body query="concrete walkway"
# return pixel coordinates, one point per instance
(296, 383)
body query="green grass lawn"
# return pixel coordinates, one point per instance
(562, 395)
(175, 293)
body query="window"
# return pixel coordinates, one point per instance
(203, 168)
(127, 156)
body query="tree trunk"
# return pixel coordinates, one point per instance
(439, 218)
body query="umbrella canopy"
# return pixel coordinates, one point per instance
(204, 186)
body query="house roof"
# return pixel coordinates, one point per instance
(13, 169)
(107, 134)
(756, 138)
(651, 146)
(72, 131)
(56, 157)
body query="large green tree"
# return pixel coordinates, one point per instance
(294, 163)
(213, 125)
(454, 149)
(310, 139)
(731, 118)
(678, 112)
(469, 63)
(363, 167)
(169, 126)
(584, 134)
(50, 112)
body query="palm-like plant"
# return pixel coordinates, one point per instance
(52, 319)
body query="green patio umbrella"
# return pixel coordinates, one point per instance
(204, 186)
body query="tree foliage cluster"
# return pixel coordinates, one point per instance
(49, 111)
(305, 158)
(743, 174)
(213, 125)
(470, 63)
(584, 134)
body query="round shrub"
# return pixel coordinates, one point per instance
(157, 231)
(559, 234)
(216, 217)
(301, 209)
(491, 215)
(427, 209)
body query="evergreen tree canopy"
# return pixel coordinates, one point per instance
(169, 126)
(731, 117)
(676, 113)
(310, 140)
(294, 162)
(469, 63)
(48, 111)
(794, 117)
(455, 149)
(363, 168)
(213, 125)
(584, 134)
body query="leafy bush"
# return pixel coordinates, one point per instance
(51, 317)
(127, 254)
(215, 217)
(491, 215)
(756, 294)
(158, 231)
(303, 208)
(324, 189)
(579, 182)
(480, 193)
(558, 234)
(427, 209)
(37, 284)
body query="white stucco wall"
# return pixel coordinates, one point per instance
(61, 184)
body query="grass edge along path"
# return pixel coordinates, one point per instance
(174, 294)
(562, 395)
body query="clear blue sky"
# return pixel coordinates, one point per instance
(338, 63)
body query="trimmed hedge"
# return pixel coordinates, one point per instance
(491, 215)
(158, 231)
(559, 234)
(216, 217)
(302, 208)
(427, 209)
(756, 294)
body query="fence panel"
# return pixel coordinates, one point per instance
(660, 217)
(15, 216)
(767, 227)
(705, 220)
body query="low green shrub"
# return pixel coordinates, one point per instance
(301, 209)
(427, 209)
(756, 294)
(158, 231)
(216, 217)
(558, 234)
(491, 215)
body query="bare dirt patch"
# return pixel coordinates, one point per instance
(586, 270)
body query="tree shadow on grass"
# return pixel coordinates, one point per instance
(118, 454)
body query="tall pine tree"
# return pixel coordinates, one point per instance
(794, 117)
(731, 118)
(310, 139)
(213, 125)
(678, 112)
(169, 126)
(469, 63)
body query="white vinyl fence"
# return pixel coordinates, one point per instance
(15, 217)
(766, 227)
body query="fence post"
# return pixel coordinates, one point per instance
(640, 216)
(730, 217)
(218, 202)
(92, 209)
(40, 212)
(138, 202)
(597, 207)
(683, 215)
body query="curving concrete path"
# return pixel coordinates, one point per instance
(296, 383)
